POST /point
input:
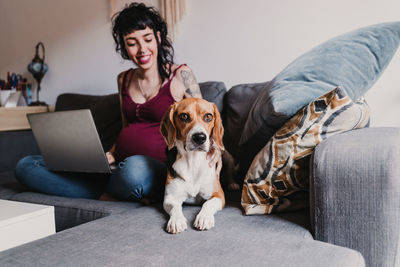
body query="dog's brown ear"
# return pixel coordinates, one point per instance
(167, 128)
(218, 130)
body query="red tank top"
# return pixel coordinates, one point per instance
(142, 136)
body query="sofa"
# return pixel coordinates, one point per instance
(352, 218)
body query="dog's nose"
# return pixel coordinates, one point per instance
(199, 138)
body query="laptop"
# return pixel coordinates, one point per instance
(68, 141)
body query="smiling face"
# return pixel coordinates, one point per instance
(141, 47)
(194, 123)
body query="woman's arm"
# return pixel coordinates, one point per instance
(120, 79)
(192, 88)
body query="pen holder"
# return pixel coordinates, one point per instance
(11, 98)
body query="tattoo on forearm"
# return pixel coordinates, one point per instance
(190, 83)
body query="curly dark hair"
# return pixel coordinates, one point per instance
(137, 16)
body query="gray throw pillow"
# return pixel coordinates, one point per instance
(353, 61)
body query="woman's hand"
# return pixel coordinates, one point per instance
(110, 158)
(215, 158)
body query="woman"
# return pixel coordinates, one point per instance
(146, 93)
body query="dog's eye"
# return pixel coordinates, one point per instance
(184, 117)
(208, 117)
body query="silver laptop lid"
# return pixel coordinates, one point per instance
(68, 141)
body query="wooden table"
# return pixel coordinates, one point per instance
(14, 118)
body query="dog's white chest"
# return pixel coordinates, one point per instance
(198, 176)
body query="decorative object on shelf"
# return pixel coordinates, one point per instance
(38, 68)
(15, 91)
(12, 98)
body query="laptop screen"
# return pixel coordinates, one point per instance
(68, 141)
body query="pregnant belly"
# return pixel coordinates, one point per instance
(140, 139)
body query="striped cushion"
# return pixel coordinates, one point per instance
(278, 178)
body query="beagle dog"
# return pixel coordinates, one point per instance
(191, 128)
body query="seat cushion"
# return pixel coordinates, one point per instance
(9, 186)
(138, 237)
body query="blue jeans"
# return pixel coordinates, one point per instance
(136, 177)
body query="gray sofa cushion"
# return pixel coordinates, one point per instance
(14, 146)
(214, 92)
(237, 104)
(138, 238)
(9, 185)
(70, 212)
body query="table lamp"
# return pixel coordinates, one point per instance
(38, 68)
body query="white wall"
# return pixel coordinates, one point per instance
(235, 41)
(251, 41)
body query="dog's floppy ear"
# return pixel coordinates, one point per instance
(218, 130)
(167, 128)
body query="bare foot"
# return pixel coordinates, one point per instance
(107, 197)
(147, 201)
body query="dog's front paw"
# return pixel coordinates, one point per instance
(204, 221)
(176, 224)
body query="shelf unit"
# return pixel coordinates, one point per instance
(12, 119)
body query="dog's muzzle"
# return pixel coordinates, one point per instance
(199, 138)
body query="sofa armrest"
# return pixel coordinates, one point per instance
(355, 193)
